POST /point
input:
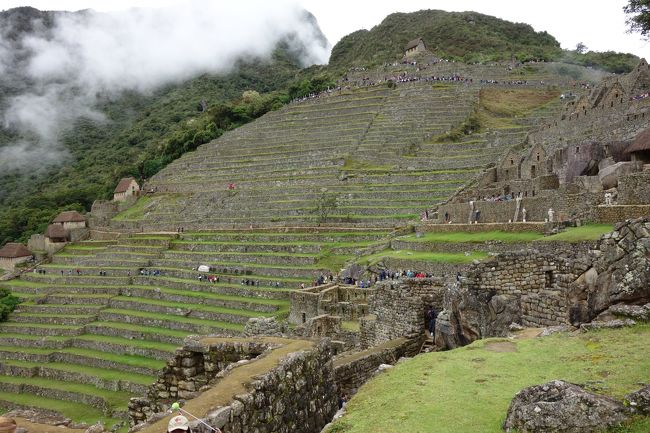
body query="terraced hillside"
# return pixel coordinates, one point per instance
(272, 205)
(99, 321)
(366, 157)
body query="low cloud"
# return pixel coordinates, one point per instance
(88, 54)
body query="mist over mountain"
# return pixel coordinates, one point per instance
(57, 67)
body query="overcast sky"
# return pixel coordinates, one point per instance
(600, 24)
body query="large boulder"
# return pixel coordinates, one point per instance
(609, 175)
(639, 401)
(561, 407)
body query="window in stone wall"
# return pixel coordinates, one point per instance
(549, 279)
(577, 149)
(304, 317)
(533, 193)
(538, 156)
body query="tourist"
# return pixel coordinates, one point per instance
(178, 424)
(431, 320)
(477, 216)
(7, 425)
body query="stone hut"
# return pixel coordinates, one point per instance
(414, 47)
(56, 234)
(127, 187)
(13, 254)
(639, 150)
(70, 220)
(510, 166)
(534, 163)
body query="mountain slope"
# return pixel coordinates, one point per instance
(468, 36)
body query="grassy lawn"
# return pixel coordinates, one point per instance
(589, 232)
(479, 237)
(469, 389)
(458, 258)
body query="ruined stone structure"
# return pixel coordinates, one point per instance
(398, 308)
(530, 288)
(345, 301)
(208, 369)
(568, 164)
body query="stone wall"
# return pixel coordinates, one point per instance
(192, 367)
(397, 308)
(345, 301)
(613, 214)
(533, 288)
(353, 369)
(634, 189)
(297, 395)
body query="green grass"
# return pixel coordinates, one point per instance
(350, 325)
(479, 237)
(102, 373)
(589, 232)
(469, 389)
(144, 344)
(132, 360)
(173, 318)
(454, 258)
(134, 212)
(143, 329)
(76, 411)
(115, 399)
(193, 307)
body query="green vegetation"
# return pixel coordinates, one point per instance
(466, 36)
(143, 134)
(588, 232)
(457, 258)
(76, 411)
(470, 388)
(477, 237)
(8, 303)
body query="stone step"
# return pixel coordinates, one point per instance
(49, 308)
(41, 329)
(187, 297)
(185, 310)
(234, 288)
(124, 347)
(58, 390)
(53, 319)
(198, 326)
(100, 378)
(256, 258)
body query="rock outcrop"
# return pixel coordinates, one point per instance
(559, 406)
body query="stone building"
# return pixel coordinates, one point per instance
(639, 150)
(534, 163)
(70, 220)
(56, 234)
(127, 187)
(13, 254)
(414, 47)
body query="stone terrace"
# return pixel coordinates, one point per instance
(359, 158)
(97, 323)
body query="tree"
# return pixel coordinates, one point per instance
(638, 12)
(581, 48)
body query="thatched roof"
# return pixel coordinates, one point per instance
(124, 184)
(640, 143)
(70, 216)
(414, 43)
(14, 250)
(55, 231)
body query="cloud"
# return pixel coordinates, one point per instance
(91, 53)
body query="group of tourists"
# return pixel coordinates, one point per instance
(640, 97)
(149, 272)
